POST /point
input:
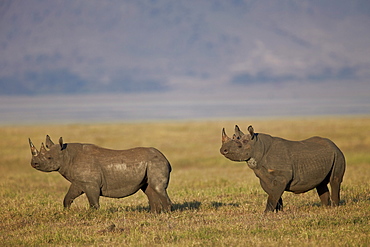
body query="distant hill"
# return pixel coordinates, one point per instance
(59, 47)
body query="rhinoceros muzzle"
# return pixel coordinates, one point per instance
(35, 165)
(224, 151)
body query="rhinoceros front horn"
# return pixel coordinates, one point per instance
(224, 136)
(34, 151)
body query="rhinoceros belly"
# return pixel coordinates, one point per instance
(123, 179)
(308, 173)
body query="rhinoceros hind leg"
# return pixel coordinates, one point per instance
(158, 177)
(165, 200)
(323, 192)
(336, 178)
(335, 191)
(156, 201)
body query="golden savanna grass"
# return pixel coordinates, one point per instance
(217, 202)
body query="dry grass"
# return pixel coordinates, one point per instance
(216, 202)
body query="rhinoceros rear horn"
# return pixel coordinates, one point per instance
(42, 149)
(238, 132)
(251, 131)
(224, 136)
(61, 143)
(34, 151)
(48, 142)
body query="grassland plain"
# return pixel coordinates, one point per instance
(217, 202)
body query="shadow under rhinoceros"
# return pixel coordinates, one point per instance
(319, 204)
(217, 205)
(186, 206)
(175, 207)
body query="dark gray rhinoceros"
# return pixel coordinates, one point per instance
(282, 165)
(97, 171)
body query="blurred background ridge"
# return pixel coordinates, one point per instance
(212, 58)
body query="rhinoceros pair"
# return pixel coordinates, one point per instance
(281, 165)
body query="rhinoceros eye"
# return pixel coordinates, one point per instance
(49, 158)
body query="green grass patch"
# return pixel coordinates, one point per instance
(216, 202)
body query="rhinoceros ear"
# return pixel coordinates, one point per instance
(48, 142)
(34, 151)
(61, 143)
(225, 138)
(251, 131)
(238, 132)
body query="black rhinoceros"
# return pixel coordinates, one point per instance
(98, 171)
(283, 165)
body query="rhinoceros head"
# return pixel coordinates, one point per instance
(240, 146)
(47, 160)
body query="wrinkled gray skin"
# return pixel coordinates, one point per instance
(97, 171)
(282, 165)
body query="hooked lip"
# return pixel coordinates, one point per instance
(35, 165)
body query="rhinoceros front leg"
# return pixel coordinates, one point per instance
(73, 192)
(279, 205)
(274, 200)
(274, 184)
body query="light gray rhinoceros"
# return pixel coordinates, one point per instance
(98, 171)
(282, 165)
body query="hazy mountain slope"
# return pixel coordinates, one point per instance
(133, 46)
